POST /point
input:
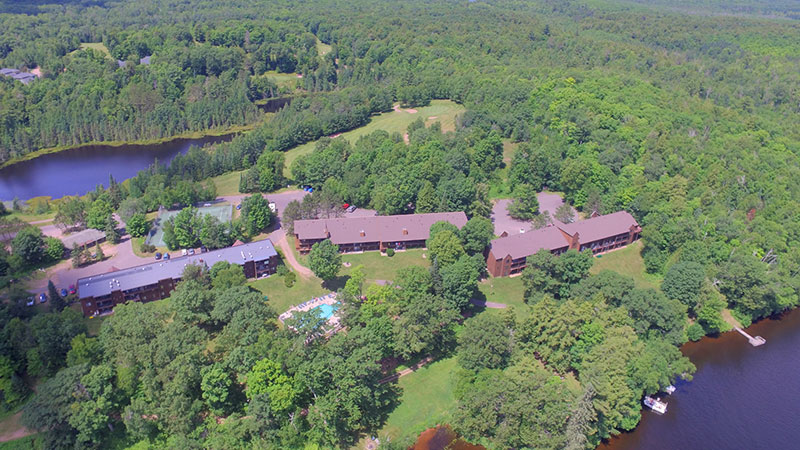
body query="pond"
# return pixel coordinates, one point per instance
(78, 170)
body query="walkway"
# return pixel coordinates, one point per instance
(405, 372)
(278, 237)
(493, 305)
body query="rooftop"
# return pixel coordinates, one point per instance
(601, 227)
(528, 243)
(87, 236)
(123, 280)
(404, 227)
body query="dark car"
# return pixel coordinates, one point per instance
(63, 292)
(42, 298)
(158, 256)
(239, 206)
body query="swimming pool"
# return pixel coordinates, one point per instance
(326, 311)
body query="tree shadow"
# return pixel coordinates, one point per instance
(337, 283)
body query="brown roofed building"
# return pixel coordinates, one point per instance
(356, 234)
(508, 255)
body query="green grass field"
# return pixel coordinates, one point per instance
(99, 46)
(227, 184)
(282, 298)
(27, 443)
(287, 80)
(323, 48)
(427, 400)
(628, 261)
(444, 111)
(378, 266)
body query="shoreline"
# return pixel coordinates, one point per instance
(141, 142)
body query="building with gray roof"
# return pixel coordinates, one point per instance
(99, 294)
(508, 255)
(23, 77)
(355, 234)
(85, 238)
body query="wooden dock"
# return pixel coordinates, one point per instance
(754, 341)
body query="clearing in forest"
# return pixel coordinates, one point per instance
(627, 261)
(323, 48)
(444, 111)
(99, 46)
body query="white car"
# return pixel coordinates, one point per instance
(183, 252)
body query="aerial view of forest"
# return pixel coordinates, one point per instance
(568, 196)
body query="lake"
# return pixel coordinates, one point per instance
(741, 397)
(78, 170)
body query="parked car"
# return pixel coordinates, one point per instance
(203, 249)
(183, 252)
(63, 292)
(166, 256)
(191, 251)
(239, 206)
(351, 208)
(42, 297)
(158, 256)
(72, 289)
(31, 301)
(207, 204)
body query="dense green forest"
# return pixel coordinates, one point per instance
(684, 113)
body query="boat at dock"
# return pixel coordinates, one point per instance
(655, 404)
(670, 389)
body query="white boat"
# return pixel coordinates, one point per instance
(669, 389)
(655, 404)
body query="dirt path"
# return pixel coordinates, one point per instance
(405, 372)
(17, 431)
(279, 239)
(493, 305)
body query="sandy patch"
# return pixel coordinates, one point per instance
(405, 138)
(433, 118)
(412, 111)
(37, 71)
(397, 108)
(334, 136)
(299, 75)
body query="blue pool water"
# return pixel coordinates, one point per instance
(326, 311)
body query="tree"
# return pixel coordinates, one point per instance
(683, 282)
(256, 215)
(445, 248)
(425, 325)
(112, 235)
(268, 378)
(325, 260)
(99, 213)
(49, 409)
(612, 286)
(564, 213)
(53, 248)
(28, 244)
(225, 275)
(99, 251)
(541, 220)
(656, 315)
(526, 203)
(215, 386)
(56, 301)
(270, 171)
(355, 284)
(84, 350)
(77, 256)
(485, 342)
(192, 302)
(186, 229)
(459, 282)
(580, 429)
(71, 213)
(476, 234)
(137, 225)
(426, 199)
(546, 273)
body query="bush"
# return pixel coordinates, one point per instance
(147, 248)
(289, 279)
(745, 319)
(695, 332)
(281, 270)
(389, 252)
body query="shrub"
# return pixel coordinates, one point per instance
(389, 252)
(281, 270)
(147, 248)
(695, 332)
(289, 279)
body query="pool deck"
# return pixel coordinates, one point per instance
(328, 299)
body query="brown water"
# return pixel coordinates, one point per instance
(741, 397)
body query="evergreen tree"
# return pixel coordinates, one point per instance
(580, 425)
(56, 301)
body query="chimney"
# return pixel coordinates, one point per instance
(362, 233)
(405, 231)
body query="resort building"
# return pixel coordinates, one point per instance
(358, 234)
(99, 294)
(508, 255)
(86, 238)
(23, 77)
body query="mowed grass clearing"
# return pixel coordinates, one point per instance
(228, 184)
(443, 111)
(378, 266)
(627, 261)
(288, 80)
(427, 400)
(98, 46)
(323, 48)
(281, 298)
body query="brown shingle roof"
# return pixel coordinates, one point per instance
(347, 230)
(601, 227)
(528, 243)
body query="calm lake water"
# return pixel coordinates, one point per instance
(741, 397)
(79, 170)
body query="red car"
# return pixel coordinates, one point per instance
(72, 289)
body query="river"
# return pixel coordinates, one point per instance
(741, 397)
(78, 170)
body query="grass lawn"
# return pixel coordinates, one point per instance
(227, 184)
(282, 298)
(323, 48)
(427, 400)
(288, 80)
(627, 261)
(99, 46)
(445, 112)
(508, 290)
(27, 443)
(382, 267)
